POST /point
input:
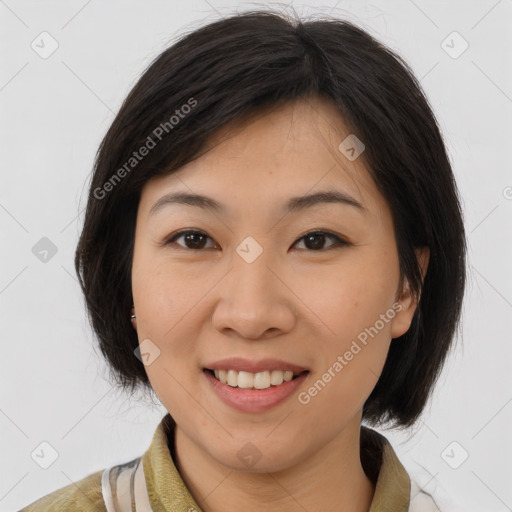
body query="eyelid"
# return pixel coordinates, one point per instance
(339, 240)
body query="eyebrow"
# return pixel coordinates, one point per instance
(294, 204)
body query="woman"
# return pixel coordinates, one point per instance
(274, 245)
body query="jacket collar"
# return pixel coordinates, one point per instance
(167, 491)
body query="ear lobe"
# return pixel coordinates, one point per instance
(408, 301)
(405, 312)
(133, 318)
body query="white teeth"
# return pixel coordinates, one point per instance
(248, 380)
(245, 380)
(262, 380)
(232, 378)
(276, 378)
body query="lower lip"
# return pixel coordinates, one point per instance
(254, 400)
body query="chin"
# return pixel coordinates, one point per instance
(256, 457)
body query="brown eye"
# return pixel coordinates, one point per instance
(315, 240)
(195, 240)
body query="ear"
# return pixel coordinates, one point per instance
(407, 301)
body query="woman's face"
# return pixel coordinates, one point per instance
(259, 290)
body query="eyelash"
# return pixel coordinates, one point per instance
(340, 242)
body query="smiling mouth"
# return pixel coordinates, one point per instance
(248, 380)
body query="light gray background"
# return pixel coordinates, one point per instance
(55, 111)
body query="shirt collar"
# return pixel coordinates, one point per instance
(168, 492)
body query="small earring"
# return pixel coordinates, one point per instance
(132, 315)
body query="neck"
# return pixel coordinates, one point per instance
(331, 479)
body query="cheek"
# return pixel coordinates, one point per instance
(164, 299)
(162, 294)
(355, 306)
(359, 314)
(349, 297)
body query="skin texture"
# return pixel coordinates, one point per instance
(295, 302)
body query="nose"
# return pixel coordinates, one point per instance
(255, 301)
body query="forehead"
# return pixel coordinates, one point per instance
(274, 153)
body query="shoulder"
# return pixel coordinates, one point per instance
(435, 499)
(420, 500)
(82, 496)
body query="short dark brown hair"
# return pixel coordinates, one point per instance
(235, 67)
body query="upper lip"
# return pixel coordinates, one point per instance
(245, 365)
